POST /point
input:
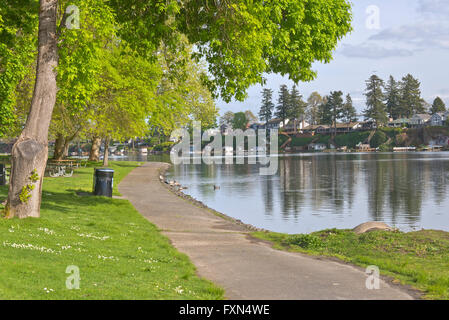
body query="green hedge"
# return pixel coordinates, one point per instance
(165, 146)
(378, 139)
(301, 141)
(351, 139)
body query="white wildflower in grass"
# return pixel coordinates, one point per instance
(88, 235)
(76, 228)
(151, 260)
(179, 290)
(12, 228)
(47, 231)
(48, 290)
(29, 246)
(107, 258)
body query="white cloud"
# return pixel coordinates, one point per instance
(373, 51)
(424, 35)
(434, 8)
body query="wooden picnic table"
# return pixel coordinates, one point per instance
(63, 168)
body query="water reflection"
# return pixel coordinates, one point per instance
(317, 191)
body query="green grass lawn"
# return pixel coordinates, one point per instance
(420, 259)
(120, 255)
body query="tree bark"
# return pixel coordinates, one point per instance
(94, 154)
(66, 147)
(106, 153)
(59, 147)
(30, 152)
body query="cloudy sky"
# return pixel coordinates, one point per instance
(410, 36)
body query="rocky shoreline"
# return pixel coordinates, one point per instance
(178, 192)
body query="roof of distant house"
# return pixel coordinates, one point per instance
(423, 116)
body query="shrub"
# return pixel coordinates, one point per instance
(324, 139)
(301, 141)
(378, 139)
(305, 241)
(351, 139)
(164, 147)
(391, 132)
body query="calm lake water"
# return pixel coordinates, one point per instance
(316, 191)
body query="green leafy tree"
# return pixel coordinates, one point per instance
(438, 106)
(348, 114)
(250, 117)
(411, 101)
(126, 97)
(240, 121)
(266, 110)
(376, 109)
(18, 26)
(393, 98)
(283, 105)
(227, 118)
(181, 95)
(239, 41)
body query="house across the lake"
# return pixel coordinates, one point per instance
(317, 146)
(399, 123)
(439, 119)
(420, 120)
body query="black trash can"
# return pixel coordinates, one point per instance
(2, 174)
(103, 182)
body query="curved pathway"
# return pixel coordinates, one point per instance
(248, 269)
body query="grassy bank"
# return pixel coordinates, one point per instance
(420, 259)
(120, 254)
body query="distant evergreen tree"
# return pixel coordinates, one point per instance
(393, 98)
(266, 110)
(411, 102)
(297, 106)
(376, 109)
(349, 114)
(330, 111)
(438, 106)
(336, 104)
(325, 112)
(312, 112)
(283, 106)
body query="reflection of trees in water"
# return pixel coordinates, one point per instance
(440, 179)
(291, 173)
(318, 182)
(403, 181)
(399, 186)
(396, 185)
(267, 194)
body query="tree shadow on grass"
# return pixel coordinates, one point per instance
(125, 165)
(66, 201)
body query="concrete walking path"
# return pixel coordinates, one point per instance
(247, 269)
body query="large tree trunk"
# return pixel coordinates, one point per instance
(94, 154)
(66, 147)
(30, 152)
(59, 147)
(106, 152)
